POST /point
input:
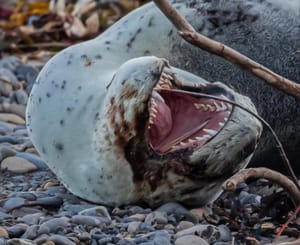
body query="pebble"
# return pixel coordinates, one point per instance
(8, 76)
(156, 217)
(96, 211)
(133, 226)
(36, 160)
(5, 88)
(17, 165)
(19, 96)
(61, 240)
(190, 240)
(11, 118)
(184, 225)
(14, 108)
(89, 220)
(10, 62)
(3, 233)
(6, 152)
(16, 241)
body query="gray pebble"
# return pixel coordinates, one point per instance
(61, 240)
(36, 160)
(89, 220)
(13, 203)
(161, 237)
(53, 225)
(10, 62)
(133, 226)
(157, 217)
(17, 230)
(190, 240)
(21, 97)
(5, 88)
(8, 76)
(27, 73)
(31, 232)
(96, 211)
(16, 241)
(53, 201)
(5, 152)
(31, 219)
(225, 233)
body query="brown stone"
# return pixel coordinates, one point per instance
(17, 165)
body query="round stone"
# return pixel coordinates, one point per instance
(190, 240)
(17, 165)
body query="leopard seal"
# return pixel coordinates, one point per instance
(95, 115)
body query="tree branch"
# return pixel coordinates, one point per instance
(220, 49)
(278, 178)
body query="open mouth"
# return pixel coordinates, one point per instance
(179, 120)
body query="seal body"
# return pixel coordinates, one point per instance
(88, 115)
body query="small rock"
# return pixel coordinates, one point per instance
(199, 213)
(31, 219)
(53, 225)
(13, 203)
(5, 88)
(156, 217)
(31, 232)
(36, 160)
(14, 109)
(11, 118)
(17, 241)
(17, 165)
(133, 226)
(190, 240)
(138, 217)
(17, 230)
(10, 62)
(96, 211)
(21, 97)
(7, 76)
(162, 237)
(195, 229)
(89, 220)
(3, 233)
(61, 240)
(184, 225)
(5, 152)
(27, 73)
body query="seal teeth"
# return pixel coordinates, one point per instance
(220, 107)
(202, 137)
(192, 141)
(199, 106)
(221, 124)
(211, 132)
(157, 96)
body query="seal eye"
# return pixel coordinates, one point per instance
(179, 120)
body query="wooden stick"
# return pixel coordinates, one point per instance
(220, 49)
(278, 178)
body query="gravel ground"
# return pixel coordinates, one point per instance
(36, 209)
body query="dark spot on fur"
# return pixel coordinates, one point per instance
(132, 39)
(40, 99)
(170, 33)
(43, 150)
(150, 23)
(62, 122)
(98, 57)
(123, 82)
(146, 52)
(97, 116)
(79, 87)
(107, 42)
(48, 94)
(69, 109)
(59, 146)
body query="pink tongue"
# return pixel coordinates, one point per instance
(162, 124)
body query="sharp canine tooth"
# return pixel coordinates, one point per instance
(225, 119)
(156, 95)
(182, 144)
(203, 137)
(211, 108)
(211, 132)
(191, 141)
(221, 124)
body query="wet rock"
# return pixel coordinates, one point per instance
(17, 230)
(161, 237)
(184, 225)
(31, 219)
(199, 229)
(96, 211)
(190, 240)
(133, 226)
(31, 232)
(10, 62)
(11, 118)
(17, 165)
(14, 108)
(178, 211)
(13, 203)
(36, 160)
(8, 76)
(3, 233)
(156, 217)
(19, 96)
(61, 240)
(53, 225)
(5, 88)
(17, 241)
(5, 152)
(89, 220)
(27, 73)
